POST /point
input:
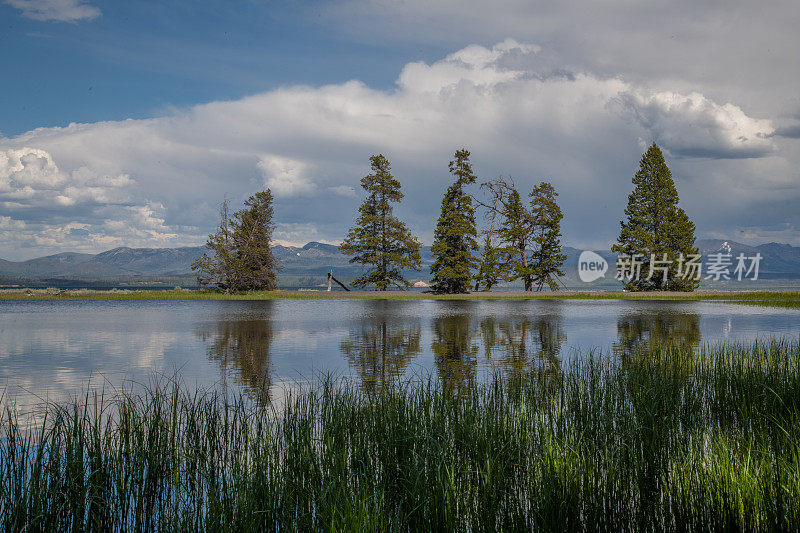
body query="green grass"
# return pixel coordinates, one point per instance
(789, 299)
(668, 440)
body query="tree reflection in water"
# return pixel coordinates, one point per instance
(455, 349)
(526, 351)
(383, 346)
(644, 333)
(240, 344)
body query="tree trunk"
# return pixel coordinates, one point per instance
(527, 277)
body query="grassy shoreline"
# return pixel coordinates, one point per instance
(789, 298)
(665, 440)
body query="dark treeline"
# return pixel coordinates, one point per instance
(522, 243)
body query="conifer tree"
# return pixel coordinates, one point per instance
(252, 236)
(241, 258)
(455, 236)
(529, 238)
(656, 227)
(379, 238)
(515, 233)
(546, 255)
(489, 272)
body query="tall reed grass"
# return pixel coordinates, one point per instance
(667, 440)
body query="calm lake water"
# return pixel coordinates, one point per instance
(53, 350)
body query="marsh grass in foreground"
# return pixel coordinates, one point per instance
(666, 440)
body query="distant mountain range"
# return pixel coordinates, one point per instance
(309, 264)
(779, 261)
(301, 266)
(116, 263)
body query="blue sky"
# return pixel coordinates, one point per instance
(137, 59)
(127, 123)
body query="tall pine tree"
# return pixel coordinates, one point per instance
(656, 227)
(546, 255)
(379, 239)
(455, 236)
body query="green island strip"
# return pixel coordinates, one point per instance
(788, 298)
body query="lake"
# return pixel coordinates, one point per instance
(50, 351)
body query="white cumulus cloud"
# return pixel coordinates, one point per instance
(29, 177)
(285, 176)
(694, 126)
(512, 104)
(80, 210)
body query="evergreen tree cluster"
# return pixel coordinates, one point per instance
(381, 242)
(522, 243)
(528, 238)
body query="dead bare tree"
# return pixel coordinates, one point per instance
(490, 270)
